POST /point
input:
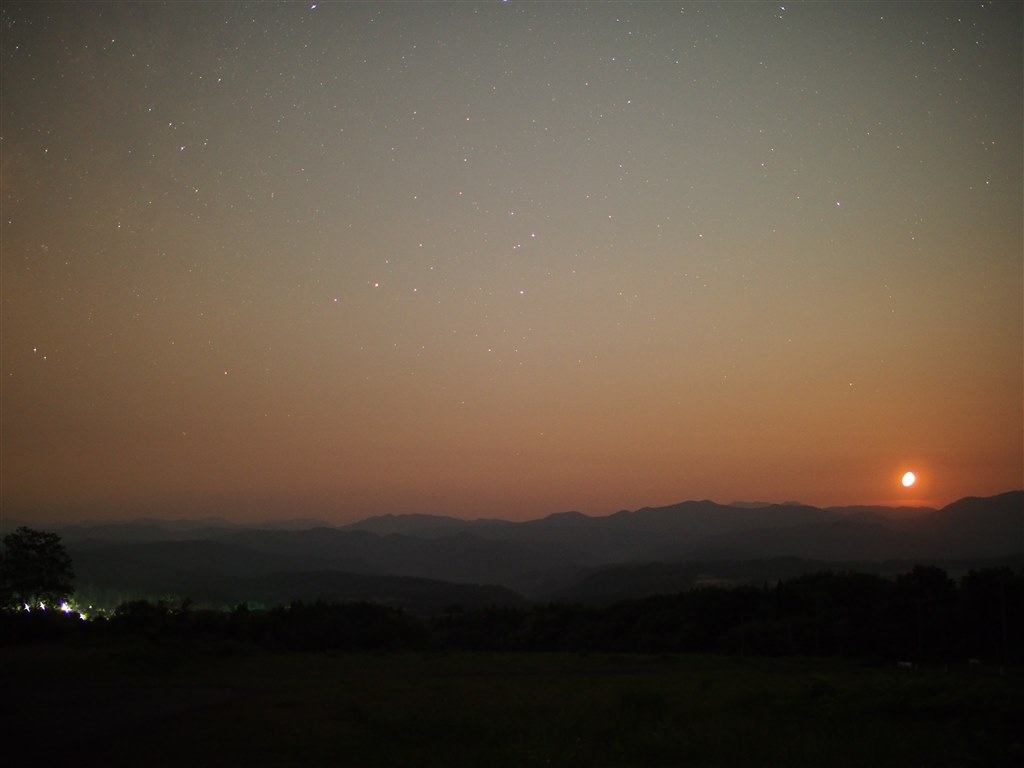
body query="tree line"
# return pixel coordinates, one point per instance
(922, 616)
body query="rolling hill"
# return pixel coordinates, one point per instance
(545, 557)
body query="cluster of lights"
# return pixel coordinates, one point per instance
(64, 606)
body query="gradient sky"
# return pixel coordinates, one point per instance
(507, 259)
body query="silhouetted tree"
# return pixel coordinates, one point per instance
(993, 621)
(36, 569)
(927, 595)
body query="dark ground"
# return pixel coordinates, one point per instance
(163, 705)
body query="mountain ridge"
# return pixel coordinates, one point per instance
(548, 555)
(421, 522)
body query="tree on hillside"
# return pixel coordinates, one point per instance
(35, 569)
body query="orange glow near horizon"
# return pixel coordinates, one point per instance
(507, 260)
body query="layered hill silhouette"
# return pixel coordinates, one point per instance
(424, 562)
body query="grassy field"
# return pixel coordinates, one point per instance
(158, 706)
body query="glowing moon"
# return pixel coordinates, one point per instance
(908, 479)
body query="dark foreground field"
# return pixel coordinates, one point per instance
(157, 706)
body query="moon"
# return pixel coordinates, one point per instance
(909, 478)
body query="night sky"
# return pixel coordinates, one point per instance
(490, 259)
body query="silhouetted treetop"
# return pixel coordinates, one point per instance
(36, 569)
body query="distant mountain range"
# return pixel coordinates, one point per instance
(425, 562)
